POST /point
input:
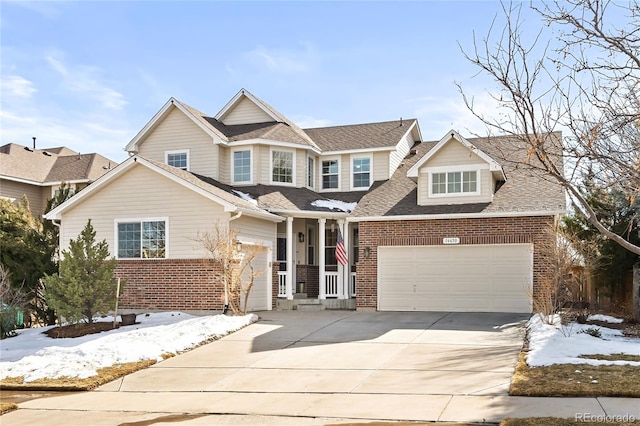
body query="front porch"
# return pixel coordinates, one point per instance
(309, 274)
(306, 296)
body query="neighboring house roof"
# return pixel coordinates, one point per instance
(526, 190)
(51, 166)
(385, 134)
(230, 202)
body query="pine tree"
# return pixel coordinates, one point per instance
(85, 286)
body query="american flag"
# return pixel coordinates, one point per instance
(341, 253)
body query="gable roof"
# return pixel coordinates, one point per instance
(526, 191)
(494, 166)
(50, 166)
(384, 134)
(230, 202)
(193, 114)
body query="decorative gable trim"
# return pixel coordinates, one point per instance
(215, 134)
(494, 166)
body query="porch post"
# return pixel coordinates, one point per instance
(290, 258)
(321, 242)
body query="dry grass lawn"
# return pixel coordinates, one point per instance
(5, 407)
(575, 380)
(105, 375)
(553, 421)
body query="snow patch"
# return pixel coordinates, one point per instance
(604, 318)
(335, 204)
(33, 355)
(563, 344)
(246, 197)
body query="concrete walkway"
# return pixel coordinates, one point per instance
(329, 367)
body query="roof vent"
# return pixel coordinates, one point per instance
(34, 142)
(413, 151)
(400, 121)
(46, 153)
(26, 148)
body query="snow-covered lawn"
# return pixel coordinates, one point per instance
(33, 355)
(563, 344)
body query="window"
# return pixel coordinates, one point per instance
(330, 177)
(282, 166)
(311, 170)
(142, 239)
(242, 166)
(179, 159)
(281, 249)
(311, 250)
(331, 238)
(454, 182)
(361, 169)
(355, 244)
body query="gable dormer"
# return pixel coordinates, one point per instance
(244, 108)
(455, 171)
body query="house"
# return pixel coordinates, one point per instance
(38, 173)
(447, 225)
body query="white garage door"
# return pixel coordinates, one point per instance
(260, 296)
(474, 278)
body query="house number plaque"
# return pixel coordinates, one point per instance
(451, 240)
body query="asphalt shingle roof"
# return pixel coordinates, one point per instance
(51, 165)
(358, 136)
(526, 189)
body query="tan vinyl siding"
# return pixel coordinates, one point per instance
(224, 156)
(345, 172)
(380, 166)
(246, 112)
(36, 195)
(263, 154)
(177, 132)
(301, 168)
(454, 154)
(401, 151)
(188, 213)
(262, 231)
(486, 191)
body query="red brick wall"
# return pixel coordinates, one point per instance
(171, 284)
(530, 229)
(310, 276)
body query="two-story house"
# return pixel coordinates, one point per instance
(38, 173)
(364, 216)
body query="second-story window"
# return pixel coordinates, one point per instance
(179, 159)
(330, 176)
(282, 166)
(361, 169)
(311, 170)
(242, 166)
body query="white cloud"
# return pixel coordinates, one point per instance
(283, 60)
(307, 122)
(86, 82)
(14, 85)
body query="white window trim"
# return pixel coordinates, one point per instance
(461, 169)
(320, 182)
(244, 148)
(293, 167)
(351, 172)
(312, 172)
(116, 241)
(178, 151)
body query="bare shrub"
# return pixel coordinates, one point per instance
(236, 260)
(12, 300)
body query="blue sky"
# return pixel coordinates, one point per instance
(90, 75)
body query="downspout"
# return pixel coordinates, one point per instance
(225, 307)
(58, 225)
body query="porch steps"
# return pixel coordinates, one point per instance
(313, 304)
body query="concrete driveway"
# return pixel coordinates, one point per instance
(328, 366)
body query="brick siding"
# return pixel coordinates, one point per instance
(310, 276)
(512, 230)
(171, 284)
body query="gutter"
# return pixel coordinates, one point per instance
(456, 216)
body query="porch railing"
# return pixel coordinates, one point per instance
(331, 284)
(282, 283)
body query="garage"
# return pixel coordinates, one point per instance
(459, 278)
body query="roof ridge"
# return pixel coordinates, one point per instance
(363, 124)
